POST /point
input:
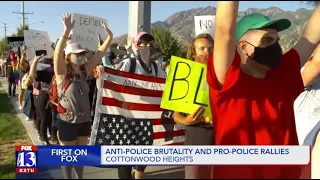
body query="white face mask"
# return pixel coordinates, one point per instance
(79, 60)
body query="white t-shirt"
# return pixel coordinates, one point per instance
(125, 66)
(307, 110)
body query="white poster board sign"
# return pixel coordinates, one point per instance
(37, 40)
(205, 25)
(86, 30)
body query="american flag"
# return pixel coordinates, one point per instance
(128, 112)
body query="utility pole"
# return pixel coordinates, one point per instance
(5, 30)
(139, 17)
(23, 14)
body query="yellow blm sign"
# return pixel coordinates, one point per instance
(186, 88)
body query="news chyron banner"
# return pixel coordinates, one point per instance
(29, 158)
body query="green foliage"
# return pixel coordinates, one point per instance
(4, 43)
(169, 45)
(21, 29)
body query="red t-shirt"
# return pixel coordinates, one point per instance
(251, 111)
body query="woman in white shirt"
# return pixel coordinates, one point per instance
(307, 110)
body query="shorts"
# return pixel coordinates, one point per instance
(140, 168)
(310, 139)
(70, 131)
(198, 135)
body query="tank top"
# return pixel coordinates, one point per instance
(76, 100)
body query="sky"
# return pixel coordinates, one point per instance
(116, 12)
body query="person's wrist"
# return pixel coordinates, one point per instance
(66, 33)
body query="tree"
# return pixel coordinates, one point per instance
(4, 43)
(20, 31)
(168, 44)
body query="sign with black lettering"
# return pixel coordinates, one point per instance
(86, 30)
(37, 40)
(15, 42)
(204, 25)
(186, 87)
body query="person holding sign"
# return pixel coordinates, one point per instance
(143, 49)
(23, 69)
(197, 132)
(253, 85)
(70, 76)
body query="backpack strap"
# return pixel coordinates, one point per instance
(133, 64)
(155, 66)
(84, 71)
(66, 83)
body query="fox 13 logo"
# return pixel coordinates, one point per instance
(26, 159)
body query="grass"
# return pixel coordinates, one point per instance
(12, 133)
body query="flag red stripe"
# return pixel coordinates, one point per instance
(175, 144)
(168, 134)
(163, 121)
(130, 106)
(131, 90)
(134, 76)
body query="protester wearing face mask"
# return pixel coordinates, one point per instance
(253, 85)
(143, 51)
(28, 105)
(141, 62)
(307, 114)
(74, 124)
(42, 79)
(198, 131)
(23, 67)
(12, 74)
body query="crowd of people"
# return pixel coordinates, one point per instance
(259, 95)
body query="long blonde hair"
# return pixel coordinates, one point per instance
(191, 50)
(68, 63)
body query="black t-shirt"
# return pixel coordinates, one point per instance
(45, 75)
(9, 68)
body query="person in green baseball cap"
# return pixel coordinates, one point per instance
(253, 85)
(261, 33)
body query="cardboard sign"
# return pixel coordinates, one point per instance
(15, 42)
(37, 40)
(186, 87)
(86, 30)
(204, 25)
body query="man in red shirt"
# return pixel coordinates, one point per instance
(253, 85)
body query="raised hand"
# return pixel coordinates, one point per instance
(104, 26)
(129, 43)
(68, 24)
(24, 48)
(36, 58)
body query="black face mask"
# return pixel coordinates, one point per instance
(269, 56)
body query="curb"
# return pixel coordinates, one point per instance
(43, 172)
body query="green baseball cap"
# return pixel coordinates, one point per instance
(258, 21)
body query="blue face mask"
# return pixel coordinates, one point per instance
(106, 61)
(160, 60)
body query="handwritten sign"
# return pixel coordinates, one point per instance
(204, 25)
(86, 30)
(186, 87)
(37, 40)
(15, 42)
